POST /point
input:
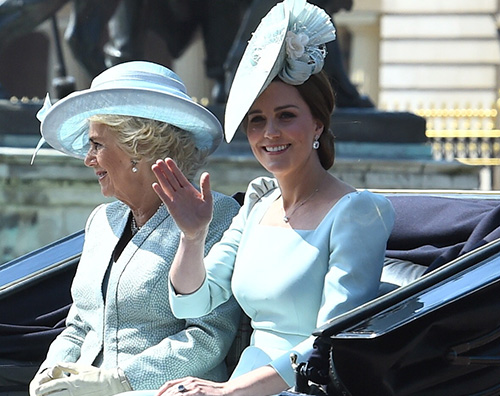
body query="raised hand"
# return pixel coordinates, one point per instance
(190, 208)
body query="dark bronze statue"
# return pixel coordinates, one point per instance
(87, 30)
(127, 22)
(347, 94)
(104, 33)
(18, 17)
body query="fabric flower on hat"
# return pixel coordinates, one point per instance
(295, 44)
(308, 32)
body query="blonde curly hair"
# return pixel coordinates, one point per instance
(144, 138)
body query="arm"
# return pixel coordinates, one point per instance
(203, 343)
(196, 350)
(216, 287)
(67, 345)
(357, 243)
(192, 212)
(262, 381)
(219, 263)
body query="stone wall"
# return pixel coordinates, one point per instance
(43, 202)
(434, 52)
(53, 197)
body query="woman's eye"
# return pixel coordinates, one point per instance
(95, 145)
(286, 115)
(256, 120)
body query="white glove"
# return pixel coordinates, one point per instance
(44, 376)
(84, 380)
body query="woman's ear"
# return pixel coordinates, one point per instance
(319, 128)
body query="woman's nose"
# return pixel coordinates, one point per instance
(89, 159)
(272, 130)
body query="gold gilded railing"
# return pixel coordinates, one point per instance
(469, 135)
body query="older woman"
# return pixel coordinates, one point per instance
(121, 334)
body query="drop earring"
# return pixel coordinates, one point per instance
(134, 167)
(316, 143)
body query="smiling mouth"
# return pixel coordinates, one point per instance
(276, 149)
(101, 175)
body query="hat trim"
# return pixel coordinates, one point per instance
(65, 125)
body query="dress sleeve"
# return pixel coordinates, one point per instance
(197, 350)
(66, 347)
(219, 263)
(358, 239)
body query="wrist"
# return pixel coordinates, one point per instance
(197, 238)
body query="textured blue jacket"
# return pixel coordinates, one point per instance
(133, 327)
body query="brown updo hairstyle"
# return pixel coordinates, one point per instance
(318, 93)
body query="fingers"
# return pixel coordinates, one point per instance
(58, 380)
(52, 387)
(54, 372)
(169, 175)
(179, 181)
(169, 179)
(191, 386)
(170, 386)
(67, 367)
(206, 191)
(164, 186)
(40, 379)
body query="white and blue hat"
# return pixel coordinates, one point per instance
(289, 43)
(137, 89)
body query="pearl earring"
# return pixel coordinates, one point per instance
(134, 168)
(316, 143)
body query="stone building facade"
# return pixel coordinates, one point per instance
(404, 54)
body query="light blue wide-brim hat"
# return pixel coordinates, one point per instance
(138, 89)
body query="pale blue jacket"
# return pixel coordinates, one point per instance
(133, 327)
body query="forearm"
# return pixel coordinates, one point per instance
(263, 381)
(188, 272)
(66, 347)
(197, 350)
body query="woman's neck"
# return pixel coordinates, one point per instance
(297, 187)
(145, 207)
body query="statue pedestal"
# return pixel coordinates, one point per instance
(360, 133)
(19, 126)
(376, 126)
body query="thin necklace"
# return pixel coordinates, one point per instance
(286, 218)
(133, 224)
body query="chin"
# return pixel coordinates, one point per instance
(106, 193)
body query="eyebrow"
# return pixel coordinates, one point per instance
(279, 108)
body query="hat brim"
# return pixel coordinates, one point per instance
(258, 66)
(65, 127)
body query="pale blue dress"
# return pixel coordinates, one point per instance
(289, 282)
